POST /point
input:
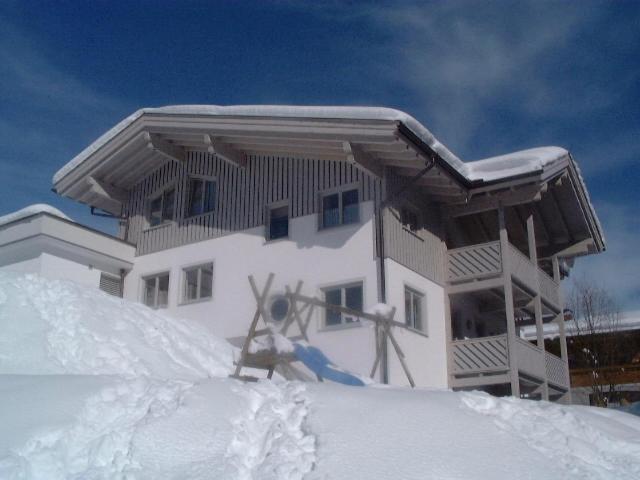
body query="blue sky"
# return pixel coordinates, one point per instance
(485, 77)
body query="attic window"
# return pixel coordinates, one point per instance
(162, 207)
(202, 193)
(409, 219)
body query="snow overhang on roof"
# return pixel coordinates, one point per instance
(369, 137)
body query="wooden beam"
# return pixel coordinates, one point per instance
(361, 160)
(107, 191)
(517, 196)
(224, 151)
(164, 148)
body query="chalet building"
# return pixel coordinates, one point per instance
(364, 206)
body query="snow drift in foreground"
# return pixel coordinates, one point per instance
(94, 387)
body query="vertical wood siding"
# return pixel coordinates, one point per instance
(422, 251)
(242, 195)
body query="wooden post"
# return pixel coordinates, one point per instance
(561, 328)
(537, 300)
(508, 305)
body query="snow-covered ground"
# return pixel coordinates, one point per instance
(95, 387)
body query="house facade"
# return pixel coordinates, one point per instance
(364, 206)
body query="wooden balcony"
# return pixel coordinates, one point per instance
(484, 361)
(486, 260)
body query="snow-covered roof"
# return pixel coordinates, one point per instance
(259, 128)
(488, 169)
(282, 111)
(30, 211)
(514, 164)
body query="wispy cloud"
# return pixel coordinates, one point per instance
(31, 80)
(617, 269)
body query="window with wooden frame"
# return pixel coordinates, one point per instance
(197, 283)
(339, 208)
(278, 221)
(413, 308)
(410, 218)
(202, 196)
(162, 207)
(156, 290)
(349, 296)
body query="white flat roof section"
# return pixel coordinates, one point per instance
(29, 236)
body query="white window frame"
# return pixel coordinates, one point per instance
(270, 208)
(415, 292)
(183, 289)
(187, 201)
(157, 276)
(342, 286)
(156, 195)
(339, 191)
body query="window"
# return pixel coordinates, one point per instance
(161, 208)
(278, 222)
(409, 219)
(413, 305)
(349, 296)
(198, 282)
(340, 208)
(156, 290)
(202, 193)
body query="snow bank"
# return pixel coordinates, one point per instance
(57, 327)
(94, 387)
(31, 210)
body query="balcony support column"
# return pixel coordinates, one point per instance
(508, 305)
(561, 329)
(537, 300)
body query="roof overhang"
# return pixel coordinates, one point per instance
(372, 139)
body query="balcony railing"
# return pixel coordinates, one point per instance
(480, 355)
(477, 262)
(490, 355)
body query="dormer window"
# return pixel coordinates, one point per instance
(202, 193)
(162, 208)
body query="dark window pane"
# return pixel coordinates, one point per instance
(209, 197)
(350, 208)
(150, 291)
(163, 291)
(417, 312)
(330, 210)
(206, 287)
(408, 310)
(191, 284)
(353, 297)
(333, 297)
(279, 223)
(409, 219)
(167, 204)
(195, 197)
(155, 211)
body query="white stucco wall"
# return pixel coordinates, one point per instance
(31, 265)
(319, 258)
(63, 269)
(426, 354)
(57, 268)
